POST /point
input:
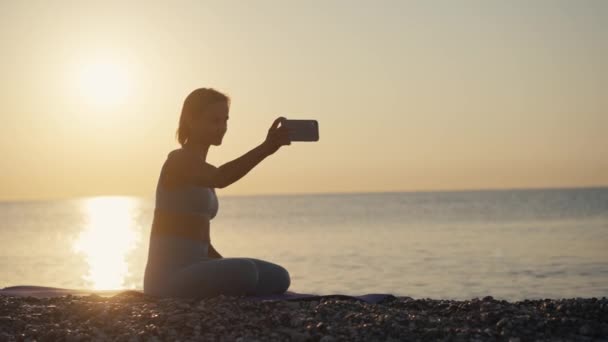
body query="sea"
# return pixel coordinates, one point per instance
(510, 244)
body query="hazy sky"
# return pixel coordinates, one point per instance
(426, 95)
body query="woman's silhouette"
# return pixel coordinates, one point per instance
(182, 262)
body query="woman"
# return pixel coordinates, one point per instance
(182, 262)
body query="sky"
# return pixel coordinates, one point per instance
(409, 95)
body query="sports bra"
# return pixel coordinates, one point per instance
(191, 199)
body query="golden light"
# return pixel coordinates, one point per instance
(108, 237)
(104, 83)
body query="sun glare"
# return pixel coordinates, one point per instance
(104, 83)
(106, 240)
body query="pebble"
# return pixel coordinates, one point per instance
(136, 317)
(586, 330)
(327, 338)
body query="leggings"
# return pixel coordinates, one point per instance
(179, 267)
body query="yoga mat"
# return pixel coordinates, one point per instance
(373, 298)
(47, 291)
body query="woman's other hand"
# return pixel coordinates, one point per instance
(277, 136)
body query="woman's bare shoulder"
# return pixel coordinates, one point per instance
(180, 156)
(183, 168)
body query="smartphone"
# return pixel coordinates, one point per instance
(302, 130)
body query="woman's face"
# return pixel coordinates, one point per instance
(210, 127)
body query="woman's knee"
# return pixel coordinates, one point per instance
(272, 276)
(247, 275)
(234, 276)
(230, 276)
(285, 278)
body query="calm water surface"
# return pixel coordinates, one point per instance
(512, 244)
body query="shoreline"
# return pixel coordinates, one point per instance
(133, 316)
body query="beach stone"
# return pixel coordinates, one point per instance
(504, 322)
(321, 326)
(201, 306)
(586, 330)
(391, 339)
(327, 338)
(19, 324)
(296, 322)
(293, 334)
(490, 317)
(297, 336)
(292, 305)
(246, 339)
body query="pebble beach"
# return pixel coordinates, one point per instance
(133, 316)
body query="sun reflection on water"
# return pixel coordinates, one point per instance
(108, 236)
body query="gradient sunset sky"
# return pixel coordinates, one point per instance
(409, 95)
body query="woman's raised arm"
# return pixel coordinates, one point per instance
(236, 169)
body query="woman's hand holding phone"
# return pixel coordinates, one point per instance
(277, 136)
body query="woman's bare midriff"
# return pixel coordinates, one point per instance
(186, 225)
